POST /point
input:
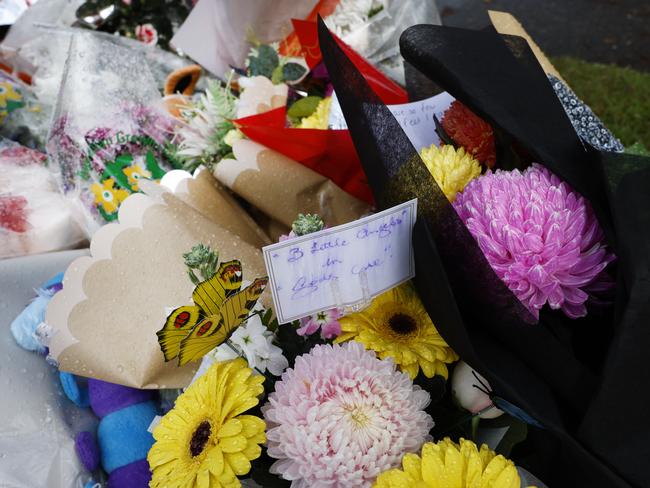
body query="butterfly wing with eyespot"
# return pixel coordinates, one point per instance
(216, 329)
(178, 324)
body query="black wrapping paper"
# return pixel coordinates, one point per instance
(533, 366)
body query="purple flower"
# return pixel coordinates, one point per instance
(540, 236)
(327, 321)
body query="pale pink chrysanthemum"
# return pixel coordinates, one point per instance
(341, 416)
(540, 236)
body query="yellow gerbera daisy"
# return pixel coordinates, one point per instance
(396, 325)
(320, 118)
(205, 441)
(451, 168)
(107, 196)
(446, 464)
(134, 173)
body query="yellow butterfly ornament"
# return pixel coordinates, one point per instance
(220, 306)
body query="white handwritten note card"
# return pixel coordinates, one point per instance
(343, 265)
(416, 118)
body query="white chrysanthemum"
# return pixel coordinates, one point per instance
(341, 416)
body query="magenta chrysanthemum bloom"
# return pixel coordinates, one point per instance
(540, 236)
(341, 416)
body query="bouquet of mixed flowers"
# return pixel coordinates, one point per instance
(108, 131)
(272, 116)
(528, 268)
(511, 345)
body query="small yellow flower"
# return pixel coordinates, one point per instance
(107, 196)
(8, 92)
(320, 118)
(446, 464)
(396, 325)
(205, 441)
(134, 173)
(232, 135)
(452, 168)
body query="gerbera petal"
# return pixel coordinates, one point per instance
(203, 478)
(238, 462)
(428, 368)
(233, 444)
(412, 369)
(214, 461)
(231, 428)
(251, 425)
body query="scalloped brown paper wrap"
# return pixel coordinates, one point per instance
(282, 188)
(107, 330)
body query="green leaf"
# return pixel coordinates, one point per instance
(516, 433)
(293, 71)
(276, 77)
(169, 151)
(304, 107)
(264, 63)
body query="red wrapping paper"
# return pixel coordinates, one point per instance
(330, 153)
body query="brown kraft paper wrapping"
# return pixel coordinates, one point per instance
(204, 193)
(106, 330)
(283, 188)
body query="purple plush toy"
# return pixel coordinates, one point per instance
(124, 441)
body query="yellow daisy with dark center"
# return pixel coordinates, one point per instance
(396, 325)
(205, 441)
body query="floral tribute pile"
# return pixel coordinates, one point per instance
(491, 368)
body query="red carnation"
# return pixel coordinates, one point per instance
(470, 131)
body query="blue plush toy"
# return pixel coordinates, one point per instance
(125, 414)
(124, 441)
(24, 326)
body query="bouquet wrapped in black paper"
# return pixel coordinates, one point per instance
(531, 248)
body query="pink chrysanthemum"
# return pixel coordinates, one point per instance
(540, 237)
(341, 416)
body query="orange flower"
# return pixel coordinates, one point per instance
(471, 132)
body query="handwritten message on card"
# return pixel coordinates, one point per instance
(341, 266)
(416, 118)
